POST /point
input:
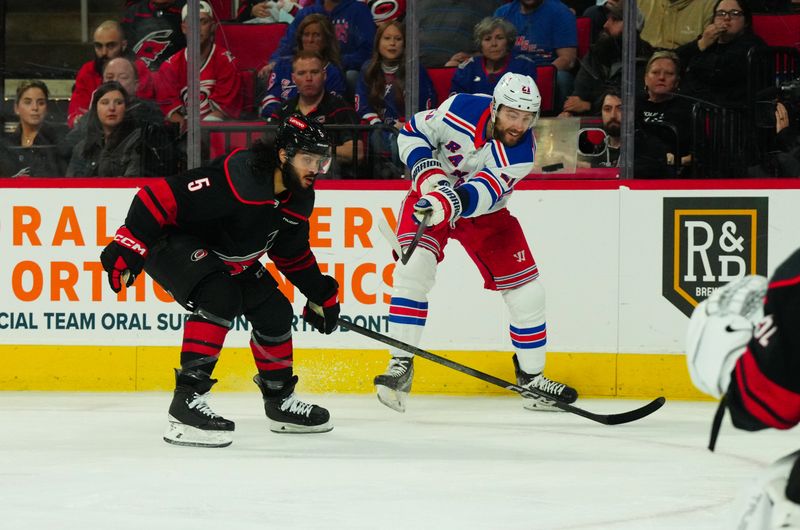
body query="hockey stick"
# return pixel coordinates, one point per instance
(391, 238)
(605, 419)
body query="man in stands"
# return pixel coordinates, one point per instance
(354, 28)
(153, 27)
(108, 44)
(314, 102)
(548, 34)
(122, 70)
(220, 85)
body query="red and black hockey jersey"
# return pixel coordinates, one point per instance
(765, 384)
(231, 206)
(153, 31)
(220, 84)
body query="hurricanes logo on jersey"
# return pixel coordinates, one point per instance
(708, 242)
(152, 46)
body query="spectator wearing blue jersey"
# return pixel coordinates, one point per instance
(353, 26)
(315, 33)
(547, 33)
(479, 74)
(381, 94)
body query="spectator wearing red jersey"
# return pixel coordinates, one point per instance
(220, 94)
(109, 43)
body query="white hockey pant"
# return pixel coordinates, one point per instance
(408, 309)
(763, 505)
(528, 328)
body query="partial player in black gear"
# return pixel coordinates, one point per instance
(540, 383)
(201, 235)
(191, 420)
(394, 385)
(287, 412)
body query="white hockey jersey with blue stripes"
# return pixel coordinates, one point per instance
(454, 134)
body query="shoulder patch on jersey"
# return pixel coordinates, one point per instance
(246, 186)
(467, 62)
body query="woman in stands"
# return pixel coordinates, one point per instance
(715, 62)
(112, 145)
(661, 114)
(315, 33)
(30, 150)
(381, 94)
(479, 74)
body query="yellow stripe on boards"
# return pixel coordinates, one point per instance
(149, 368)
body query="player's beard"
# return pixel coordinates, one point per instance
(291, 179)
(502, 135)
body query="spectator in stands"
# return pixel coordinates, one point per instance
(108, 44)
(546, 32)
(660, 113)
(602, 66)
(153, 28)
(714, 62)
(598, 14)
(445, 29)
(650, 154)
(381, 88)
(267, 12)
(112, 144)
(31, 149)
(354, 29)
(480, 73)
(220, 85)
(672, 23)
(124, 70)
(785, 160)
(314, 33)
(605, 153)
(313, 101)
(381, 95)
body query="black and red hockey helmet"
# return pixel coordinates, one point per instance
(298, 133)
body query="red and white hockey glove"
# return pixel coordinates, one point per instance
(323, 317)
(125, 253)
(442, 205)
(426, 175)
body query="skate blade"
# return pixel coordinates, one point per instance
(293, 428)
(188, 436)
(394, 399)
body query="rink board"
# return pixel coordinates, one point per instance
(622, 266)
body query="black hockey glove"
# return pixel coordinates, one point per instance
(323, 317)
(125, 253)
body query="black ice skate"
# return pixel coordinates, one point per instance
(394, 385)
(288, 414)
(558, 391)
(191, 420)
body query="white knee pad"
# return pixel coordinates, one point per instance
(408, 311)
(415, 279)
(528, 327)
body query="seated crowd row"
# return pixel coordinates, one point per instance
(128, 111)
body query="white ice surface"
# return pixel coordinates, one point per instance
(97, 461)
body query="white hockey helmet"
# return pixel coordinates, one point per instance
(517, 91)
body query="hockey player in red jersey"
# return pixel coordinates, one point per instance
(743, 345)
(200, 236)
(465, 158)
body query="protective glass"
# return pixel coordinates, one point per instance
(311, 162)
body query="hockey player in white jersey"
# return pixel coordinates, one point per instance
(465, 158)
